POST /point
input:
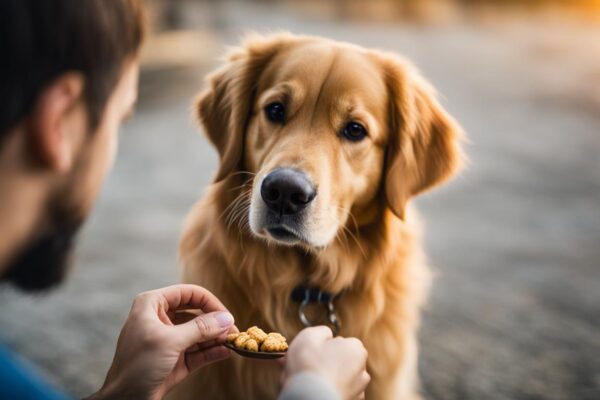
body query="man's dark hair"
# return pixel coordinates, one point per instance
(42, 39)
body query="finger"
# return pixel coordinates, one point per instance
(218, 341)
(317, 333)
(281, 361)
(196, 347)
(199, 359)
(181, 296)
(361, 384)
(358, 347)
(221, 339)
(204, 328)
(181, 317)
(366, 378)
(205, 345)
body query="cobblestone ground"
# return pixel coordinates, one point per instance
(514, 312)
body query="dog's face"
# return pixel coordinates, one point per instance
(328, 131)
(316, 140)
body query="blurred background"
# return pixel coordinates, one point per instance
(514, 241)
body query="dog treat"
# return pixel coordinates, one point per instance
(274, 343)
(255, 339)
(241, 339)
(257, 334)
(276, 335)
(231, 337)
(250, 345)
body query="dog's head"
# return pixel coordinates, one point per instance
(328, 131)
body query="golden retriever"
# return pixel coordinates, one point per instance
(321, 144)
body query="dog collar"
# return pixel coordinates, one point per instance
(306, 295)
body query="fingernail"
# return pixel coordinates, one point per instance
(224, 319)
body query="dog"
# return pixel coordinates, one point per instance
(322, 145)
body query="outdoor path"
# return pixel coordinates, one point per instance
(515, 241)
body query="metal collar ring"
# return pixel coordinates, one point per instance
(332, 316)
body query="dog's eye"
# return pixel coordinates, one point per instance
(275, 112)
(354, 131)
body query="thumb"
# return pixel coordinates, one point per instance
(205, 327)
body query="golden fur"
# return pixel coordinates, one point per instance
(375, 253)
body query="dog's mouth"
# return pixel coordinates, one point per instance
(283, 234)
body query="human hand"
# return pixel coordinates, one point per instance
(340, 361)
(157, 348)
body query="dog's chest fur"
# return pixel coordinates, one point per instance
(381, 271)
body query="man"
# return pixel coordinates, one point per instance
(68, 78)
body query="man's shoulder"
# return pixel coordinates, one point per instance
(20, 381)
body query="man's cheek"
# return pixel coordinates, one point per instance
(108, 148)
(113, 146)
(102, 160)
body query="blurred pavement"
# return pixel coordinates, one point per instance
(515, 241)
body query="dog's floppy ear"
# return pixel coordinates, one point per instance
(225, 106)
(424, 147)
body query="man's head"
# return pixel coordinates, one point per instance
(68, 78)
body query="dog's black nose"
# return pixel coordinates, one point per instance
(287, 191)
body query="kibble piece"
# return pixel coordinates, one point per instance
(276, 335)
(231, 337)
(241, 339)
(274, 345)
(257, 334)
(250, 345)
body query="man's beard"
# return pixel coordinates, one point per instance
(44, 262)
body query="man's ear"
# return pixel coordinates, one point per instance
(225, 107)
(424, 148)
(55, 128)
